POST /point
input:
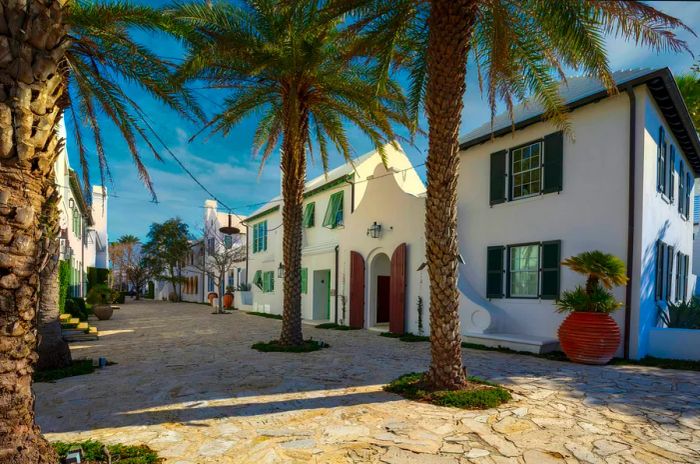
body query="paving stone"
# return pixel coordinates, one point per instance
(202, 396)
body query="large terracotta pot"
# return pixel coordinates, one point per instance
(589, 338)
(211, 296)
(103, 312)
(228, 300)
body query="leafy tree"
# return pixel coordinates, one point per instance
(138, 272)
(689, 85)
(166, 250)
(518, 48)
(221, 258)
(302, 73)
(58, 55)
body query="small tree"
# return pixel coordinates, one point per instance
(138, 273)
(167, 249)
(123, 253)
(224, 252)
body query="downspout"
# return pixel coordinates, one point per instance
(630, 220)
(82, 257)
(246, 253)
(336, 283)
(204, 264)
(352, 195)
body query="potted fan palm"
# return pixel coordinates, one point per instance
(589, 335)
(100, 297)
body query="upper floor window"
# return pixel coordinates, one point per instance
(228, 241)
(526, 170)
(260, 236)
(309, 213)
(334, 212)
(526, 166)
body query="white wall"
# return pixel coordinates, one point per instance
(589, 213)
(657, 220)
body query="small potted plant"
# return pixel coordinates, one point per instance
(589, 335)
(228, 297)
(100, 297)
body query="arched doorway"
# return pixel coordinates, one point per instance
(379, 291)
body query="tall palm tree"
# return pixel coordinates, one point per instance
(302, 74)
(57, 55)
(518, 49)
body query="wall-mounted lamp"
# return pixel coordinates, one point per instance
(280, 271)
(375, 230)
(71, 203)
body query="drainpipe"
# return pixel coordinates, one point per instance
(246, 252)
(82, 258)
(336, 283)
(352, 195)
(630, 220)
(204, 250)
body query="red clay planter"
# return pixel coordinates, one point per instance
(589, 338)
(228, 300)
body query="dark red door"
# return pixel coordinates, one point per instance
(383, 298)
(398, 290)
(357, 290)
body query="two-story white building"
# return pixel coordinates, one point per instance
(530, 196)
(83, 224)
(362, 234)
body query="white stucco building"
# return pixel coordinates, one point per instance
(362, 241)
(621, 183)
(197, 283)
(83, 224)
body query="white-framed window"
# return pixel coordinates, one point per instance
(526, 166)
(524, 267)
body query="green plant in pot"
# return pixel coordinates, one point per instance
(100, 297)
(589, 335)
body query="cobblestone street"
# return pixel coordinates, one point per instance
(187, 384)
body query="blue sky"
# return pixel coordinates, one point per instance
(226, 165)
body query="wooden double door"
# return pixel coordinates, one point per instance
(391, 291)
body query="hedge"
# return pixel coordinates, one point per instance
(96, 276)
(64, 278)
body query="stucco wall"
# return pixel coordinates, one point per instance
(674, 343)
(660, 220)
(589, 213)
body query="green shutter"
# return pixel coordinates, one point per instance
(681, 188)
(494, 272)
(258, 280)
(334, 212)
(304, 280)
(497, 190)
(671, 170)
(659, 285)
(553, 162)
(309, 213)
(669, 272)
(660, 161)
(551, 259)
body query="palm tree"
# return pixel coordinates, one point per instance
(518, 49)
(57, 55)
(300, 72)
(689, 85)
(600, 269)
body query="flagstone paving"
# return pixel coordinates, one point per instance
(188, 385)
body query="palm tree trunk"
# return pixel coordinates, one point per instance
(293, 164)
(450, 24)
(53, 349)
(32, 43)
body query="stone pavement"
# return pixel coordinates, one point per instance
(188, 385)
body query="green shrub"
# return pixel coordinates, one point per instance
(267, 315)
(597, 300)
(100, 294)
(93, 452)
(334, 326)
(96, 276)
(80, 309)
(64, 277)
(151, 291)
(480, 394)
(275, 346)
(77, 367)
(118, 297)
(682, 315)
